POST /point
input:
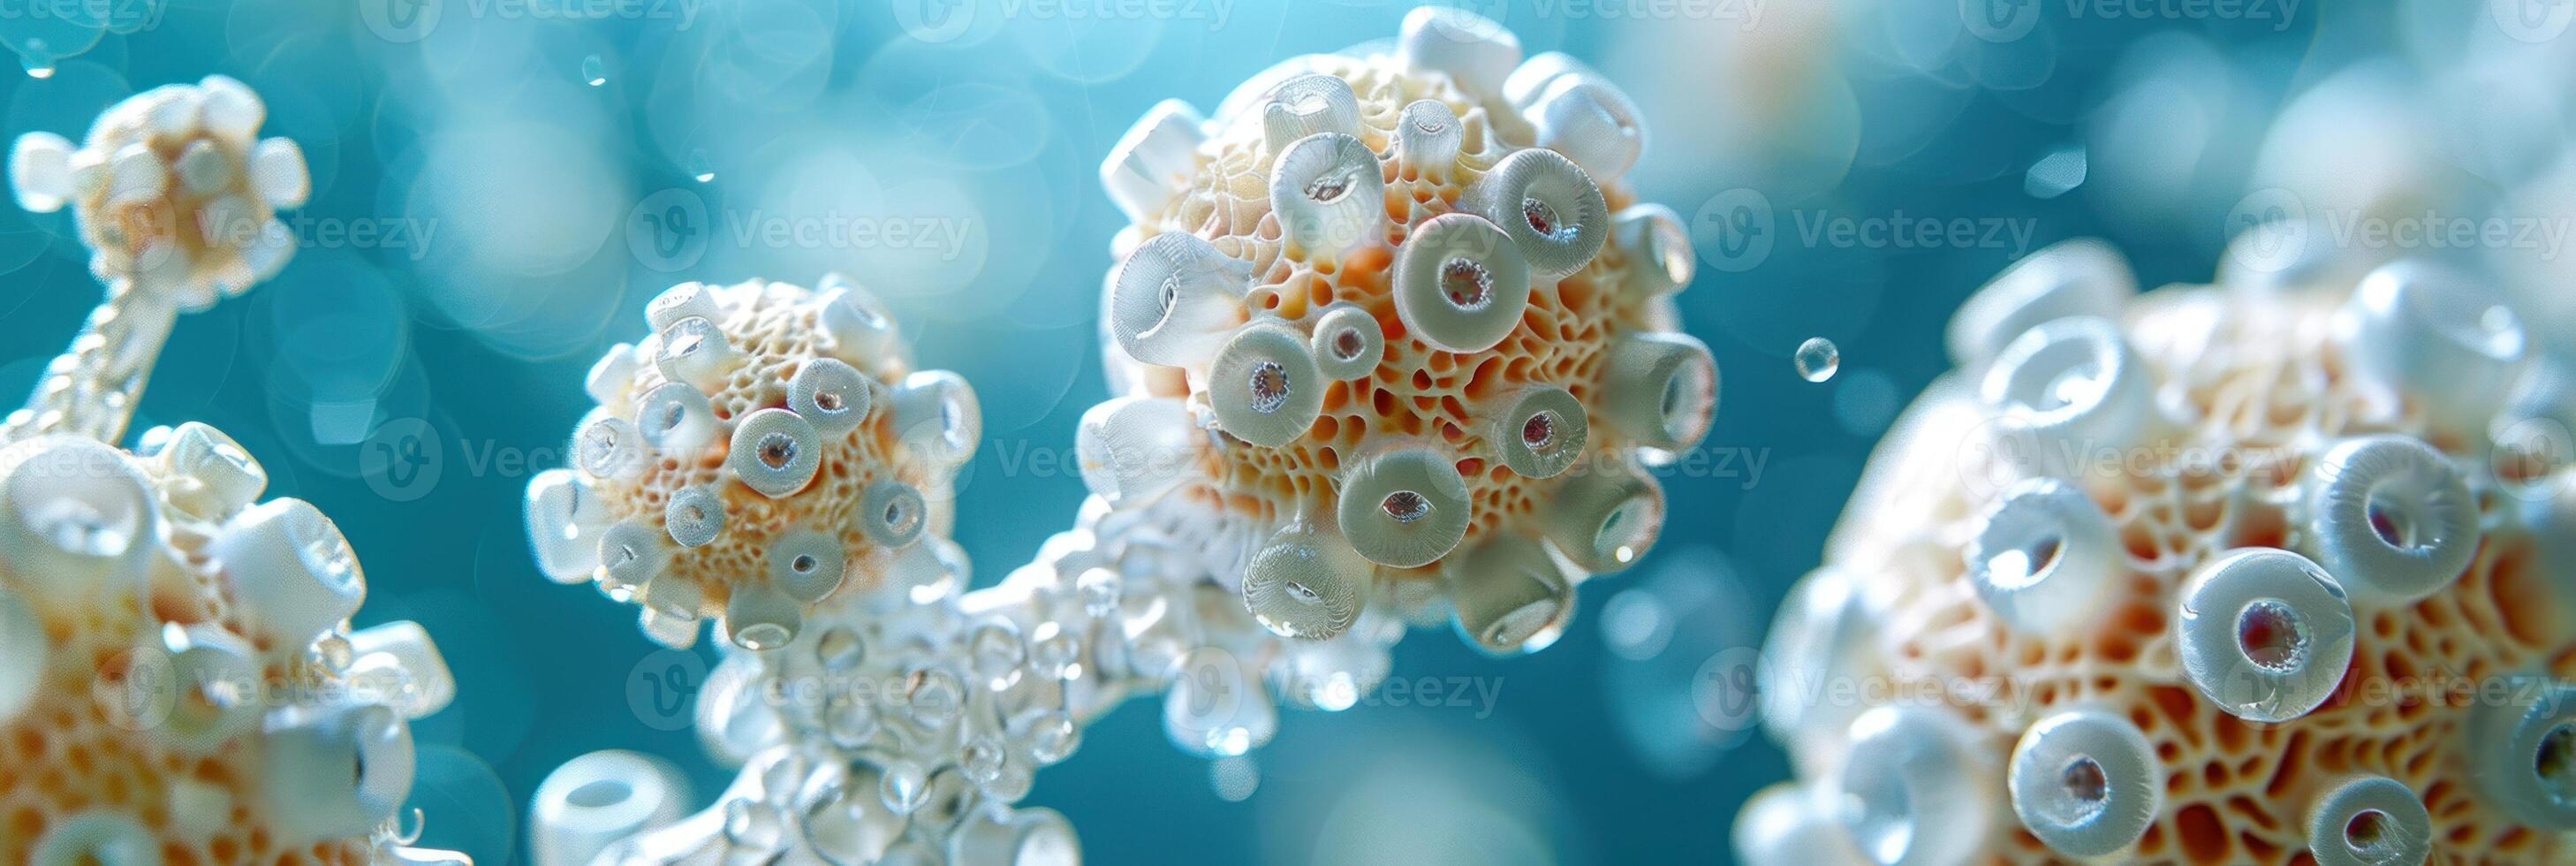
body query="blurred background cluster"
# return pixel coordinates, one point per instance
(500, 185)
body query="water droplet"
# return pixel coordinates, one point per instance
(1817, 359)
(38, 69)
(698, 166)
(982, 761)
(904, 787)
(594, 71)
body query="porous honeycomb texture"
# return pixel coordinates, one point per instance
(1417, 391)
(77, 748)
(776, 330)
(2262, 377)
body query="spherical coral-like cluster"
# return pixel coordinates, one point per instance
(177, 679)
(2252, 573)
(763, 448)
(1392, 315)
(174, 191)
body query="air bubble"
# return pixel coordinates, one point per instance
(1818, 359)
(594, 71)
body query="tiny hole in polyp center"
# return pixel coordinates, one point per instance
(1540, 216)
(2270, 635)
(1539, 431)
(2367, 832)
(777, 451)
(2085, 781)
(1405, 506)
(1465, 283)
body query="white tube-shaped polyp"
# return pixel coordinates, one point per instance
(692, 350)
(1305, 105)
(2080, 277)
(2086, 782)
(2045, 557)
(2264, 633)
(608, 447)
(1661, 389)
(807, 564)
(761, 617)
(892, 513)
(631, 554)
(1790, 823)
(1539, 431)
(694, 517)
(1405, 506)
(1530, 79)
(40, 171)
(277, 172)
(862, 331)
(675, 419)
(1173, 300)
(1348, 343)
(214, 680)
(1306, 584)
(612, 374)
(1329, 194)
(1428, 136)
(1510, 595)
(1133, 450)
(1591, 121)
(1550, 208)
(222, 477)
(2071, 383)
(830, 394)
(291, 568)
(681, 301)
(1153, 162)
(1461, 284)
(1660, 257)
(404, 647)
(2369, 820)
(599, 798)
(1476, 52)
(2522, 752)
(1264, 386)
(564, 520)
(774, 451)
(2390, 517)
(1603, 520)
(336, 770)
(1917, 787)
(937, 415)
(2431, 334)
(74, 512)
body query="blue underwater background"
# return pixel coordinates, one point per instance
(499, 186)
